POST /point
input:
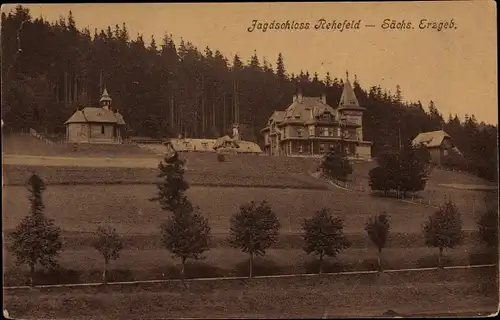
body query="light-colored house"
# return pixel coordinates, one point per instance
(207, 145)
(440, 146)
(222, 144)
(187, 144)
(311, 127)
(96, 125)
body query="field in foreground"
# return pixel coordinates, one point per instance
(84, 265)
(436, 291)
(128, 209)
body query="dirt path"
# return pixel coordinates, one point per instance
(118, 162)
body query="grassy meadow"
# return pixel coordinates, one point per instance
(80, 197)
(440, 186)
(128, 209)
(450, 292)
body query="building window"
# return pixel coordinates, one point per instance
(102, 129)
(299, 133)
(338, 132)
(445, 152)
(297, 116)
(321, 148)
(301, 149)
(325, 132)
(330, 132)
(311, 131)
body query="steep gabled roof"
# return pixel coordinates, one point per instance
(430, 139)
(306, 109)
(348, 99)
(278, 116)
(99, 115)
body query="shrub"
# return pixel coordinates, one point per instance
(253, 230)
(444, 229)
(109, 244)
(323, 235)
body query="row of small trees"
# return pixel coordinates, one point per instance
(253, 229)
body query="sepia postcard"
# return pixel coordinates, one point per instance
(250, 160)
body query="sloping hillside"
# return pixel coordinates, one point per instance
(475, 194)
(107, 164)
(17, 144)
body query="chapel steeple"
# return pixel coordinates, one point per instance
(105, 100)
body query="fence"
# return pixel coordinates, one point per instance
(32, 132)
(431, 198)
(454, 170)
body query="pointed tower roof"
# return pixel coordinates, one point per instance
(105, 95)
(348, 99)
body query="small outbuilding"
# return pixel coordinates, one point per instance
(440, 146)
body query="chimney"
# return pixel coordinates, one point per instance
(323, 98)
(236, 133)
(300, 97)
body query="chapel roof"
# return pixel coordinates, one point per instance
(95, 115)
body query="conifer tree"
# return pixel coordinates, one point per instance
(280, 67)
(48, 64)
(36, 239)
(171, 189)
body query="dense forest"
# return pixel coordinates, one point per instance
(49, 69)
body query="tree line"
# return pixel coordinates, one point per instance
(163, 89)
(253, 229)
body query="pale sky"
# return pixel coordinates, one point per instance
(457, 67)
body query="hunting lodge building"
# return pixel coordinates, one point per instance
(310, 127)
